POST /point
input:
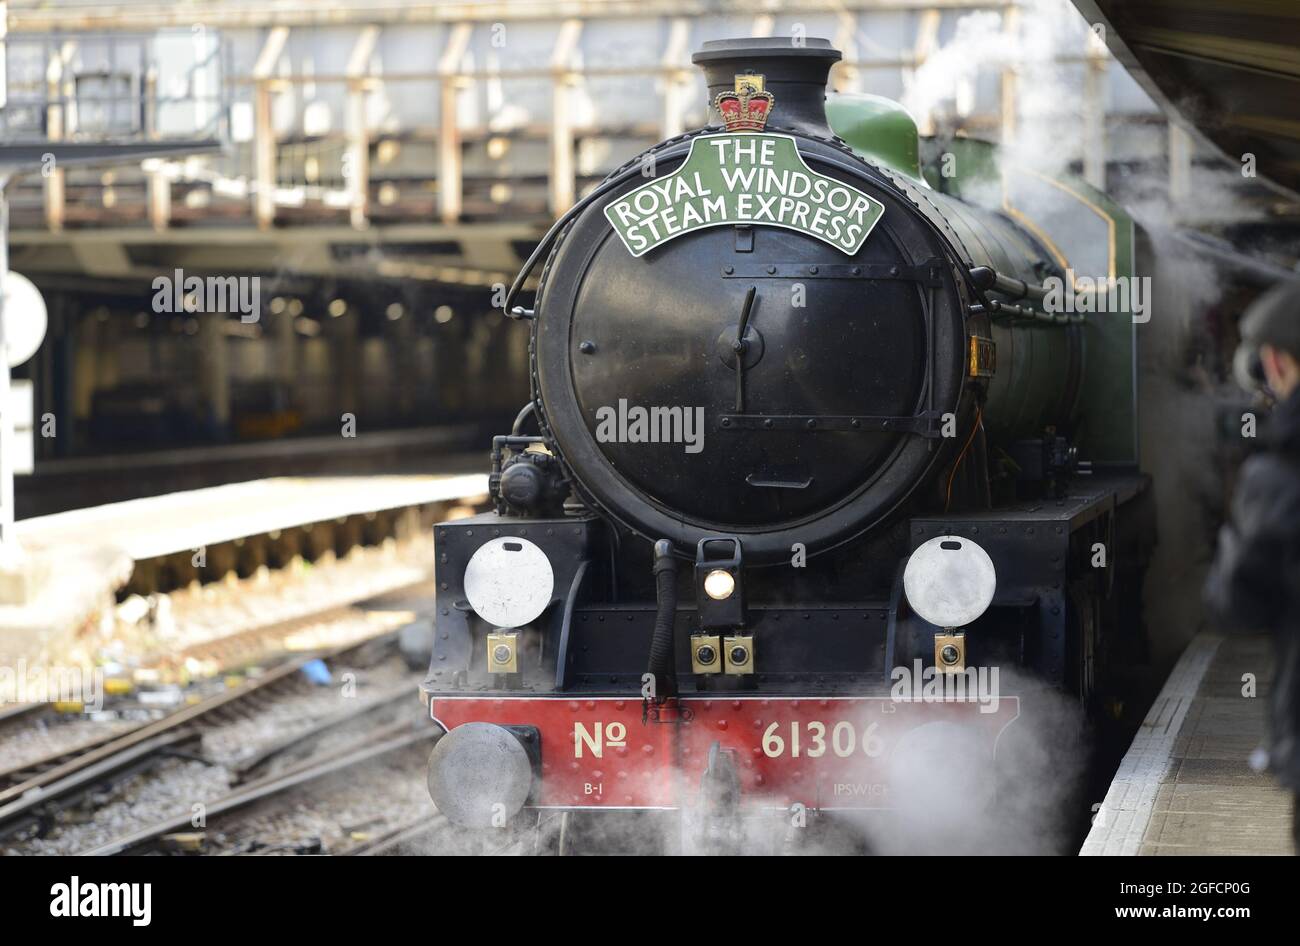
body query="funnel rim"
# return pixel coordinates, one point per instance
(769, 47)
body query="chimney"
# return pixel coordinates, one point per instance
(795, 74)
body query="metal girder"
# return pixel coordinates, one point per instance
(264, 135)
(450, 163)
(30, 16)
(16, 159)
(563, 165)
(357, 173)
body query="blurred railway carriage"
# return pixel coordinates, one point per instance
(802, 413)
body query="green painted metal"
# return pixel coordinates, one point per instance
(1110, 388)
(992, 204)
(1089, 234)
(879, 129)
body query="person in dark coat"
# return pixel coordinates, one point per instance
(1255, 579)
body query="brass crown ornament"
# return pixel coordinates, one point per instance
(745, 109)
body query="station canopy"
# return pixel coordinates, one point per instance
(1229, 69)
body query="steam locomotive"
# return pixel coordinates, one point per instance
(804, 420)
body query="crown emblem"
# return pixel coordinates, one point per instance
(747, 108)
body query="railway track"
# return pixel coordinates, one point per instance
(32, 791)
(19, 713)
(392, 841)
(369, 749)
(68, 780)
(21, 777)
(257, 644)
(546, 834)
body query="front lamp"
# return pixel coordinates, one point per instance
(719, 584)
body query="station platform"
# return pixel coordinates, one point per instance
(61, 582)
(194, 519)
(72, 483)
(1186, 785)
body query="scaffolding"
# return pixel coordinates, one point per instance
(87, 100)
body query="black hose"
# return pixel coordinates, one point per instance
(661, 644)
(518, 425)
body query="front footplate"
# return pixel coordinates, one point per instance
(822, 752)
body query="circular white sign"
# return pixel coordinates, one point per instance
(24, 315)
(949, 581)
(509, 582)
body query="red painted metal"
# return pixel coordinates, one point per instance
(826, 753)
